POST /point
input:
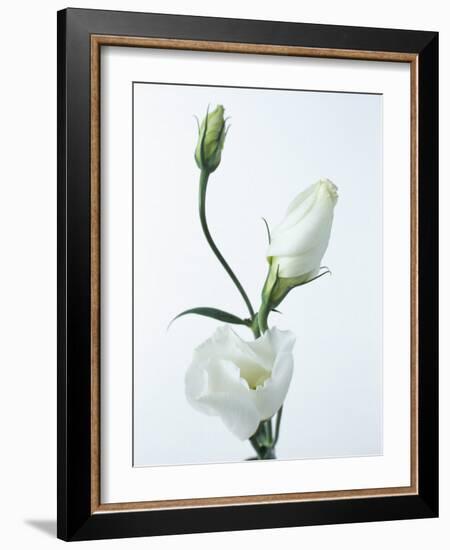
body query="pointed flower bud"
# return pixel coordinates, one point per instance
(301, 239)
(299, 242)
(211, 137)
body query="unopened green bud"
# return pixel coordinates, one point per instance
(211, 137)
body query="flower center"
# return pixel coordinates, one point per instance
(253, 373)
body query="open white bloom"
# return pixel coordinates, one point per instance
(300, 241)
(242, 382)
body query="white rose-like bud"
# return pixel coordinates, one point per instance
(300, 241)
(241, 382)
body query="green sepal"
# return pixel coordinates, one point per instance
(269, 285)
(276, 289)
(283, 285)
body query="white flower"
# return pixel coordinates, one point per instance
(242, 382)
(300, 241)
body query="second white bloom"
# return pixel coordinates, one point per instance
(241, 382)
(301, 239)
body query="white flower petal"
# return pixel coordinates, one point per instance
(269, 397)
(308, 233)
(241, 382)
(238, 413)
(272, 342)
(299, 207)
(282, 341)
(301, 264)
(211, 376)
(227, 345)
(196, 386)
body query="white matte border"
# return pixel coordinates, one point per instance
(120, 482)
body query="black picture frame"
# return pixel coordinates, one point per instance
(76, 521)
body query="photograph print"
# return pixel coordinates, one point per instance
(257, 274)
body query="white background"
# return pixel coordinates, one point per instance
(279, 143)
(28, 290)
(122, 483)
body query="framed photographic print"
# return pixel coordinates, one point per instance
(247, 257)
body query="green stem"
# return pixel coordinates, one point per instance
(266, 295)
(263, 314)
(258, 449)
(269, 431)
(204, 176)
(254, 326)
(277, 425)
(269, 453)
(262, 441)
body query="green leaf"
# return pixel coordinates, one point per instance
(213, 313)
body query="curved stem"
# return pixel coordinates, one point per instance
(204, 175)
